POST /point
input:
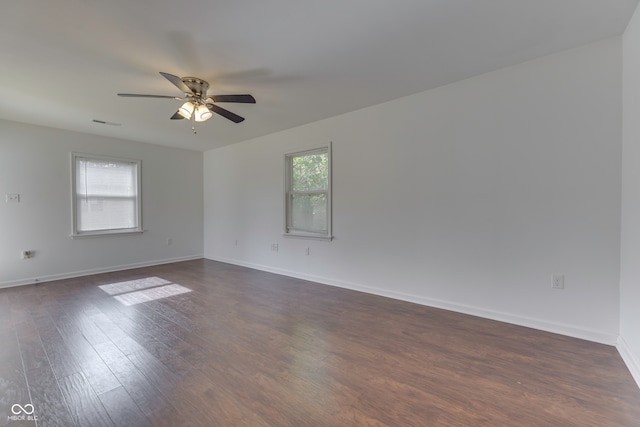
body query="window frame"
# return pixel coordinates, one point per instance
(288, 191)
(75, 233)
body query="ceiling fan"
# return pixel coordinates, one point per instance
(198, 105)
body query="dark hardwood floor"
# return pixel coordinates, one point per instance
(239, 347)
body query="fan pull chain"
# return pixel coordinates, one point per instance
(193, 124)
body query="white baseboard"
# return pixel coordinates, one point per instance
(629, 359)
(543, 325)
(69, 275)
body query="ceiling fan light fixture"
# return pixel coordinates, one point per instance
(199, 107)
(187, 109)
(202, 113)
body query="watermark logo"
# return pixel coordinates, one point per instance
(17, 409)
(22, 413)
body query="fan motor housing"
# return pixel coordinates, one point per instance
(198, 86)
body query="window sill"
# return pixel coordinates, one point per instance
(308, 236)
(105, 233)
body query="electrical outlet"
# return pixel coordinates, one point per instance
(12, 198)
(557, 282)
(274, 247)
(169, 241)
(27, 254)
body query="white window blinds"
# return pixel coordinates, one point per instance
(106, 195)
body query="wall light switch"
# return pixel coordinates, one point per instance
(13, 198)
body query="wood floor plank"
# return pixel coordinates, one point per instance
(84, 405)
(96, 372)
(13, 383)
(31, 349)
(89, 330)
(49, 404)
(173, 337)
(148, 398)
(169, 384)
(154, 339)
(60, 358)
(122, 409)
(116, 335)
(160, 350)
(43, 388)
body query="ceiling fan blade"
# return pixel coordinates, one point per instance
(245, 99)
(177, 81)
(137, 95)
(225, 113)
(176, 116)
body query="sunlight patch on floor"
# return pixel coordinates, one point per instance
(143, 290)
(133, 285)
(152, 294)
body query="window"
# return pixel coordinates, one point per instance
(106, 195)
(308, 192)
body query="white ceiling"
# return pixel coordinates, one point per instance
(63, 61)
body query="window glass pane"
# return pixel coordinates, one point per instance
(101, 213)
(310, 172)
(309, 212)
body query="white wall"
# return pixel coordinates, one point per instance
(629, 343)
(469, 197)
(35, 162)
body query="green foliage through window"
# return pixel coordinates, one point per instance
(310, 172)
